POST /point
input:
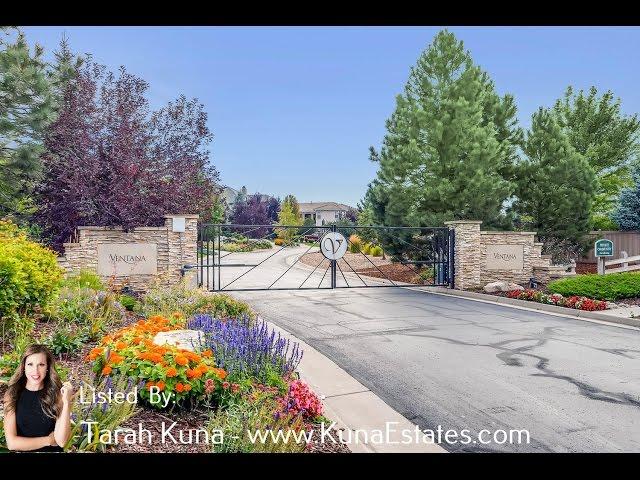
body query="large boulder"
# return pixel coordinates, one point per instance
(187, 339)
(501, 287)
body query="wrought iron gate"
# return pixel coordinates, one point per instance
(267, 257)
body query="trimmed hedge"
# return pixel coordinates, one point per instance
(29, 272)
(613, 286)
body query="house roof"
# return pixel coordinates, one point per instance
(322, 206)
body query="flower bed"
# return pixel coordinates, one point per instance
(183, 374)
(576, 302)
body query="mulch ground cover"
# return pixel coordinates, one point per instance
(365, 265)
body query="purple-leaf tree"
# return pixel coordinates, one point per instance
(252, 211)
(110, 162)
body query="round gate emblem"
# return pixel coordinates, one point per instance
(333, 245)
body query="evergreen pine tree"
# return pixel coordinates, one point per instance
(556, 184)
(449, 149)
(26, 108)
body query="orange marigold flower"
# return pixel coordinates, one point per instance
(181, 360)
(207, 354)
(106, 370)
(221, 373)
(121, 346)
(187, 387)
(171, 372)
(155, 357)
(195, 373)
(149, 385)
(115, 358)
(179, 387)
(160, 385)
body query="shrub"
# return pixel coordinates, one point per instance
(127, 301)
(130, 351)
(162, 300)
(84, 279)
(19, 330)
(355, 243)
(259, 411)
(65, 340)
(279, 242)
(376, 251)
(9, 362)
(29, 272)
(427, 274)
(612, 286)
(223, 306)
(246, 246)
(366, 249)
(249, 348)
(94, 311)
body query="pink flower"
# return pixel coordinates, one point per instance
(209, 386)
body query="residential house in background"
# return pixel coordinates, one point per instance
(324, 212)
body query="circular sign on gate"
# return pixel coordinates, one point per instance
(333, 245)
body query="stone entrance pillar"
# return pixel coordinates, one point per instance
(467, 261)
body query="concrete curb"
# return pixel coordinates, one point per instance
(534, 306)
(352, 406)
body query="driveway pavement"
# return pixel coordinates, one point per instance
(461, 364)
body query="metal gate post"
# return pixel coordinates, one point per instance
(452, 255)
(333, 265)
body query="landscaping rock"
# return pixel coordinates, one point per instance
(501, 287)
(187, 339)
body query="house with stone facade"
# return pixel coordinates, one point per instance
(324, 212)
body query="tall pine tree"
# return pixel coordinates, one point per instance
(556, 186)
(26, 108)
(449, 149)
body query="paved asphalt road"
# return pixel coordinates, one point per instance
(461, 364)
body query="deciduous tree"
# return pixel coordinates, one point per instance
(608, 140)
(109, 161)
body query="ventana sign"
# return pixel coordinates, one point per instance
(505, 257)
(124, 259)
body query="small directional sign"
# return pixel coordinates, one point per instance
(604, 248)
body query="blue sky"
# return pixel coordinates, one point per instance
(295, 109)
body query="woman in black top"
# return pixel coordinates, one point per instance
(37, 405)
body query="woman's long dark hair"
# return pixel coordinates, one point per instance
(50, 395)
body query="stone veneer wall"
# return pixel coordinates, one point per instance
(175, 249)
(471, 253)
(526, 239)
(467, 253)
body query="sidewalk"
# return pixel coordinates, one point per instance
(354, 407)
